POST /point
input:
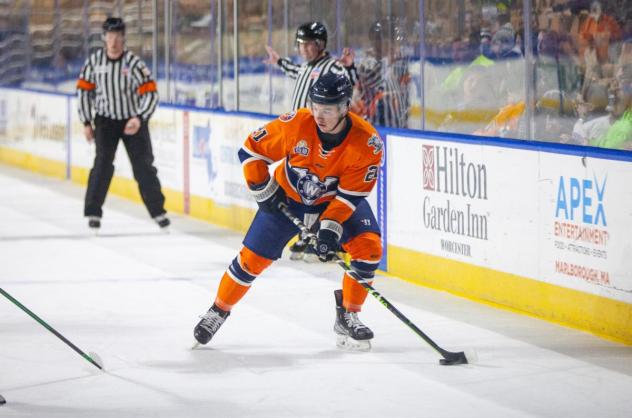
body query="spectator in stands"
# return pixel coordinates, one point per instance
(383, 75)
(602, 29)
(503, 44)
(509, 72)
(619, 135)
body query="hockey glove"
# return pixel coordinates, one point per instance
(327, 240)
(269, 195)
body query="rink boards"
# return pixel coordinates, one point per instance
(528, 226)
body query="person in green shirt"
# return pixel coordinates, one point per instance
(619, 135)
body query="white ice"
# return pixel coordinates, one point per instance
(133, 295)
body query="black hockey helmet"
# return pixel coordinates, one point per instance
(114, 24)
(312, 31)
(330, 89)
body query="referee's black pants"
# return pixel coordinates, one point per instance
(107, 134)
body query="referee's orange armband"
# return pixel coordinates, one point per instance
(85, 85)
(147, 87)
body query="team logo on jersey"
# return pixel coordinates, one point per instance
(309, 186)
(376, 142)
(315, 73)
(301, 148)
(258, 134)
(286, 117)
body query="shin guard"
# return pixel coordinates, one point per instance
(239, 277)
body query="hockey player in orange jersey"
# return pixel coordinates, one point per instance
(330, 160)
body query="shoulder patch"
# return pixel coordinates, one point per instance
(301, 148)
(315, 73)
(286, 117)
(258, 134)
(376, 142)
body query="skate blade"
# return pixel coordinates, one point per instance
(196, 345)
(344, 342)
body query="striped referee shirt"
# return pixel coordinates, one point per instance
(307, 74)
(116, 89)
(384, 87)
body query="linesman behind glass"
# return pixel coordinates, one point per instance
(311, 44)
(117, 96)
(383, 76)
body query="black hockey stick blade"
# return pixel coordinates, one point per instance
(2, 400)
(97, 363)
(451, 359)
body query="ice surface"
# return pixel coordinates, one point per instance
(133, 295)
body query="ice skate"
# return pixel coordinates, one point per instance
(163, 222)
(210, 323)
(352, 334)
(310, 255)
(297, 250)
(94, 223)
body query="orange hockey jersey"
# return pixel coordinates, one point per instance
(308, 173)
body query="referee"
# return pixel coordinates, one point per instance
(384, 77)
(117, 96)
(311, 42)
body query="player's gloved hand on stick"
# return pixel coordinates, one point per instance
(327, 240)
(269, 195)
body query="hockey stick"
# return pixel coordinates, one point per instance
(96, 361)
(449, 357)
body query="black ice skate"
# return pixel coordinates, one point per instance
(297, 250)
(94, 223)
(302, 250)
(210, 323)
(352, 333)
(163, 222)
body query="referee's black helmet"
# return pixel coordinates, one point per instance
(312, 31)
(114, 24)
(330, 89)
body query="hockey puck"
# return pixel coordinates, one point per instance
(2, 400)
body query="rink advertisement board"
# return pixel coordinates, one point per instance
(35, 123)
(545, 216)
(215, 169)
(531, 227)
(585, 224)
